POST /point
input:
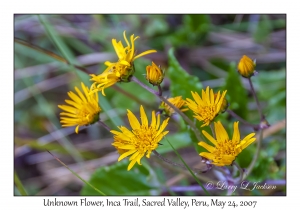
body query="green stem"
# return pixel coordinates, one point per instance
(77, 174)
(191, 124)
(19, 185)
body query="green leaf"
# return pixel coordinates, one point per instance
(198, 23)
(270, 87)
(182, 83)
(116, 180)
(193, 30)
(236, 93)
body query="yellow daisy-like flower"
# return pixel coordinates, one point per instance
(109, 77)
(176, 101)
(154, 74)
(82, 109)
(246, 67)
(123, 69)
(143, 138)
(207, 107)
(225, 150)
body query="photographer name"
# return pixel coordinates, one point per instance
(245, 185)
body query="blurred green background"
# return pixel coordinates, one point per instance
(195, 50)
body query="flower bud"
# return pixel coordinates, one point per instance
(246, 67)
(154, 74)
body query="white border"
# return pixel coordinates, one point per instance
(186, 6)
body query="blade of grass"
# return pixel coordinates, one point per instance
(35, 144)
(47, 52)
(19, 185)
(199, 182)
(74, 173)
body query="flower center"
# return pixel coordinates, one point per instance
(207, 113)
(225, 148)
(145, 139)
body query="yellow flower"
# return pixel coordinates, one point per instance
(246, 67)
(176, 101)
(143, 138)
(82, 109)
(207, 107)
(154, 74)
(225, 150)
(123, 69)
(109, 77)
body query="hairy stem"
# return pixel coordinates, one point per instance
(262, 117)
(241, 177)
(159, 90)
(253, 162)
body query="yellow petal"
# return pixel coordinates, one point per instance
(77, 129)
(153, 122)
(207, 147)
(158, 121)
(210, 138)
(220, 131)
(144, 118)
(81, 95)
(134, 123)
(163, 126)
(144, 53)
(131, 164)
(124, 155)
(207, 155)
(236, 133)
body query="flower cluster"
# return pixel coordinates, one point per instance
(143, 137)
